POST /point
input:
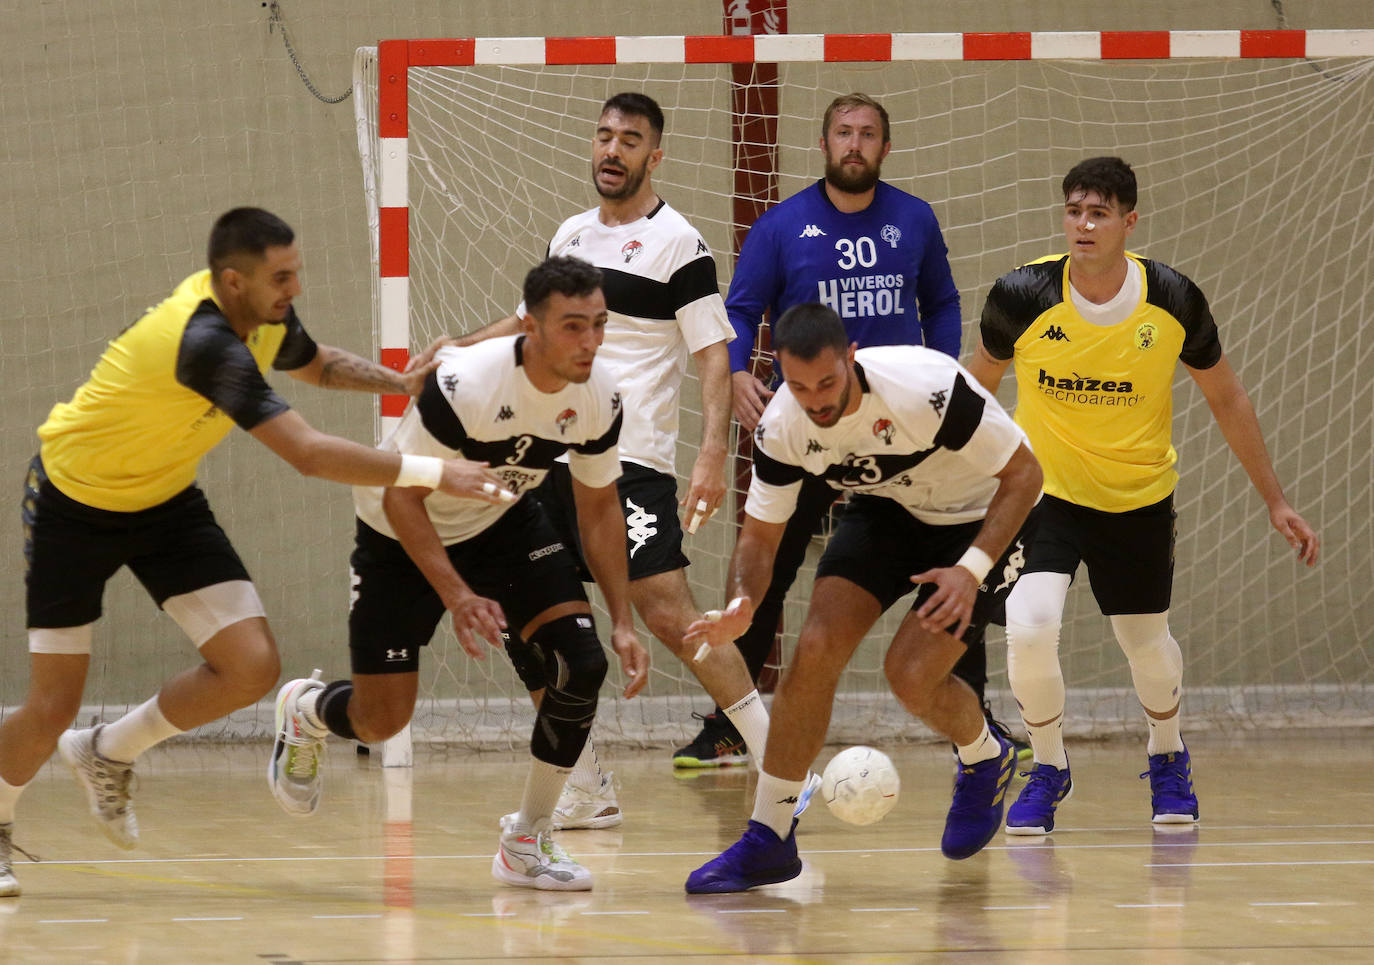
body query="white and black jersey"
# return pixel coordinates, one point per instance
(926, 435)
(659, 279)
(480, 404)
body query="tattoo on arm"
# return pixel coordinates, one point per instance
(344, 370)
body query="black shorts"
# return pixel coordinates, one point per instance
(71, 550)
(648, 498)
(1129, 556)
(519, 561)
(879, 546)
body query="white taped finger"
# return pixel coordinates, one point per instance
(702, 651)
(699, 515)
(712, 615)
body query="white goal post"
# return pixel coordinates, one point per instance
(1254, 151)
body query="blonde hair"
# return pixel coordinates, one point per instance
(847, 102)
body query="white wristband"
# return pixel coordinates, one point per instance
(420, 471)
(976, 562)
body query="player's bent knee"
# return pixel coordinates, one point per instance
(574, 668)
(378, 723)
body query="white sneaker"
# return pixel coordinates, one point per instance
(106, 783)
(579, 809)
(9, 884)
(535, 860)
(293, 772)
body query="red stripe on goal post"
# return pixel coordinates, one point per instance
(718, 50)
(1000, 46)
(459, 52)
(1135, 45)
(391, 88)
(858, 47)
(393, 242)
(394, 358)
(1273, 43)
(579, 50)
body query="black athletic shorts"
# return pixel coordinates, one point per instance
(519, 561)
(1129, 556)
(71, 550)
(648, 498)
(879, 546)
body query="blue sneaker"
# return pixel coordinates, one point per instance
(980, 792)
(758, 858)
(1171, 788)
(1033, 810)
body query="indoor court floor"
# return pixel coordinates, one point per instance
(396, 868)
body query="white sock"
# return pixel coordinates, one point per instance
(9, 797)
(542, 787)
(135, 732)
(1157, 672)
(983, 748)
(775, 800)
(750, 718)
(586, 773)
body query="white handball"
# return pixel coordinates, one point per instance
(860, 785)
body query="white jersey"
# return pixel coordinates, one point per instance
(480, 404)
(664, 304)
(926, 435)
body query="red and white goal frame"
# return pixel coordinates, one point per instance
(1213, 230)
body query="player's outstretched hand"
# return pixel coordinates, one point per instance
(952, 602)
(716, 628)
(425, 360)
(749, 396)
(473, 480)
(477, 616)
(705, 490)
(634, 659)
(1294, 528)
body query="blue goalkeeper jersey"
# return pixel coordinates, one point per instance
(884, 270)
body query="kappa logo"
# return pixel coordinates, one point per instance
(450, 382)
(813, 446)
(891, 234)
(393, 656)
(1055, 334)
(884, 430)
(701, 247)
(631, 250)
(504, 413)
(811, 231)
(565, 418)
(639, 526)
(576, 242)
(937, 400)
(615, 402)
(1016, 559)
(544, 551)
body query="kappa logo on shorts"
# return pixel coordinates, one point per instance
(639, 527)
(1015, 561)
(544, 551)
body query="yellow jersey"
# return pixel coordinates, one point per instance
(1095, 400)
(165, 391)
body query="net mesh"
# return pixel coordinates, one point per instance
(1255, 181)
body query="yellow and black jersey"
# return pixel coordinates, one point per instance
(1096, 400)
(165, 391)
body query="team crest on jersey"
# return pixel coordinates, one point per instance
(631, 250)
(891, 234)
(883, 430)
(565, 418)
(1145, 335)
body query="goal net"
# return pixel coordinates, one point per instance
(1254, 163)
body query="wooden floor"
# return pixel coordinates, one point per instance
(396, 868)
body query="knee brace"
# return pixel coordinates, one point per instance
(1034, 615)
(574, 667)
(527, 661)
(1155, 657)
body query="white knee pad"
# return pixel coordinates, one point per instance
(1155, 657)
(1034, 613)
(205, 612)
